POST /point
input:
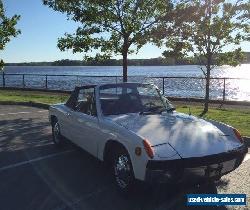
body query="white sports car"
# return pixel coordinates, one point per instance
(136, 129)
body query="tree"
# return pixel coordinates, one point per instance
(7, 29)
(211, 31)
(110, 27)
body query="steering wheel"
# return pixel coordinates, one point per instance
(149, 104)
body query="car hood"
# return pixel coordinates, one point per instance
(188, 135)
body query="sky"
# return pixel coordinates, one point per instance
(41, 27)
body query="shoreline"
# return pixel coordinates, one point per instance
(49, 65)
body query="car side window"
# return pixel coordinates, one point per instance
(86, 101)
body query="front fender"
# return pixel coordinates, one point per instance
(129, 140)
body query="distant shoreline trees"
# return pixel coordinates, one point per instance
(118, 62)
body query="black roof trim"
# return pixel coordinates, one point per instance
(129, 84)
(85, 86)
(107, 84)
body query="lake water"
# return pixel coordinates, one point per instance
(236, 89)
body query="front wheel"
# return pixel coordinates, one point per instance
(123, 172)
(56, 134)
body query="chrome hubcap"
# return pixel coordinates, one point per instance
(56, 132)
(122, 171)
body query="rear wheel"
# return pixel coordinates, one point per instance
(56, 134)
(123, 171)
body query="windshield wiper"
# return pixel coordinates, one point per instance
(153, 110)
(146, 112)
(171, 109)
(157, 110)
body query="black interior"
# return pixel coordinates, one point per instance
(125, 103)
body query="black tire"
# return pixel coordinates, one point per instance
(56, 134)
(123, 171)
(216, 179)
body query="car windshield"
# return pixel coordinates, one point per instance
(119, 99)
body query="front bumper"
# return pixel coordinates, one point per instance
(206, 167)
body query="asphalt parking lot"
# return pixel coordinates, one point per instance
(34, 174)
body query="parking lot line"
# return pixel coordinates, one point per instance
(247, 157)
(76, 201)
(16, 113)
(34, 160)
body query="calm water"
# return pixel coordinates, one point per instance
(236, 89)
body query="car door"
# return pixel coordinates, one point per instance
(65, 120)
(85, 125)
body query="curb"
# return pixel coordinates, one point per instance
(30, 103)
(36, 90)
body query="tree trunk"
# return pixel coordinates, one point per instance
(209, 61)
(208, 75)
(125, 66)
(125, 58)
(206, 104)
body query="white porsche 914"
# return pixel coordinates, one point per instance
(136, 130)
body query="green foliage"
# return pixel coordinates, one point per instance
(232, 58)
(7, 29)
(210, 30)
(110, 27)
